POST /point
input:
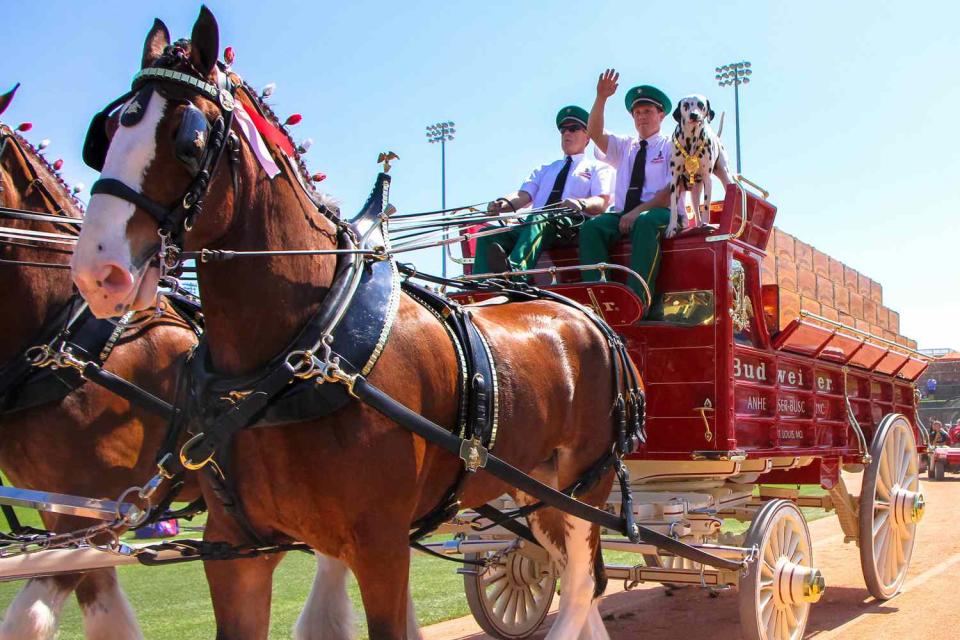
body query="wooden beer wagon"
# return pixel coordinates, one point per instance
(736, 408)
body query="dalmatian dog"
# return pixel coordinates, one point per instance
(697, 155)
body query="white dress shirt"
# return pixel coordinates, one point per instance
(587, 178)
(622, 151)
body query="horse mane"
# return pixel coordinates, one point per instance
(176, 54)
(319, 198)
(44, 169)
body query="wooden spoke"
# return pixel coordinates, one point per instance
(510, 598)
(781, 535)
(889, 489)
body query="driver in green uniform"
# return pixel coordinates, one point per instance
(642, 190)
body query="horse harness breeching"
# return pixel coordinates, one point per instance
(326, 365)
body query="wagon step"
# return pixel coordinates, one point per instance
(108, 510)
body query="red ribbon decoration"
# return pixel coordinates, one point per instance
(269, 132)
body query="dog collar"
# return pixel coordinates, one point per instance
(691, 163)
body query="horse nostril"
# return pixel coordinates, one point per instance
(114, 279)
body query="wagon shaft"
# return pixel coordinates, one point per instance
(108, 510)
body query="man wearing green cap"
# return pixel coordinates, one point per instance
(574, 182)
(642, 191)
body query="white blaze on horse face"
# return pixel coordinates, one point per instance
(104, 239)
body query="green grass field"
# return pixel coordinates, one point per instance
(172, 602)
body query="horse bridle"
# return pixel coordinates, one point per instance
(173, 220)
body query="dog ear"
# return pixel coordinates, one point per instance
(710, 113)
(676, 113)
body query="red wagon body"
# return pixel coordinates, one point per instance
(740, 394)
(722, 382)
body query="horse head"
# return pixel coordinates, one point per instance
(163, 150)
(139, 145)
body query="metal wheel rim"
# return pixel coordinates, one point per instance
(513, 595)
(780, 534)
(887, 552)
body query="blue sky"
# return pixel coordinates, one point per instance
(849, 122)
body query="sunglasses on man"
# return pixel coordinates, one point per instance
(571, 128)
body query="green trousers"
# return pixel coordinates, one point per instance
(523, 244)
(599, 232)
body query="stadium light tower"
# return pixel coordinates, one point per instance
(735, 74)
(442, 132)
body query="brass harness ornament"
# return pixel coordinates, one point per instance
(741, 310)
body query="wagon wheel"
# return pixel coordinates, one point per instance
(938, 470)
(891, 505)
(511, 597)
(780, 584)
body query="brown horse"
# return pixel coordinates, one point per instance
(349, 485)
(90, 442)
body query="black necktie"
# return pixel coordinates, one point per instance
(559, 183)
(636, 179)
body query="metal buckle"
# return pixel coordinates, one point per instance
(304, 364)
(184, 456)
(41, 355)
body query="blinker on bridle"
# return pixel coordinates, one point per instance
(199, 145)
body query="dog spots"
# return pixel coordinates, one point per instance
(99, 284)
(99, 247)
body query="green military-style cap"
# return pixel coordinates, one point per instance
(572, 113)
(645, 94)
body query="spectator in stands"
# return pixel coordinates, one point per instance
(938, 436)
(574, 182)
(954, 434)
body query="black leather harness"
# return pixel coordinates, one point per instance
(23, 385)
(304, 384)
(324, 355)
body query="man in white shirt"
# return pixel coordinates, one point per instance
(642, 193)
(574, 182)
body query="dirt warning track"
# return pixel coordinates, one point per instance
(926, 608)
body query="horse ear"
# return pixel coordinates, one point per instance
(205, 42)
(676, 113)
(7, 98)
(157, 40)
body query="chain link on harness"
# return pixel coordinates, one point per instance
(90, 537)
